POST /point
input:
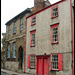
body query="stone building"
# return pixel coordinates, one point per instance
(15, 41)
(15, 37)
(3, 57)
(49, 40)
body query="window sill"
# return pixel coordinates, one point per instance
(14, 57)
(54, 69)
(55, 42)
(32, 46)
(33, 24)
(8, 57)
(54, 17)
(32, 68)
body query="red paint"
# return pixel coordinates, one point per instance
(28, 61)
(46, 66)
(31, 20)
(72, 38)
(42, 67)
(31, 32)
(47, 8)
(25, 46)
(53, 26)
(52, 11)
(39, 66)
(60, 61)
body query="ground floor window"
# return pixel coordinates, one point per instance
(56, 61)
(31, 61)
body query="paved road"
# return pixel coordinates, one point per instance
(2, 73)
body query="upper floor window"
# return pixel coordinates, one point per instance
(54, 11)
(21, 23)
(15, 27)
(14, 50)
(8, 50)
(56, 61)
(9, 30)
(54, 33)
(33, 20)
(32, 38)
(31, 61)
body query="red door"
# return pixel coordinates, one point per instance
(42, 65)
(45, 66)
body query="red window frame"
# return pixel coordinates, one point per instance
(60, 61)
(32, 32)
(29, 62)
(52, 11)
(31, 20)
(53, 26)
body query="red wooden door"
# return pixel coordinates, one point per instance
(42, 66)
(45, 66)
(39, 66)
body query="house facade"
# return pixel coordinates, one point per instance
(15, 41)
(49, 46)
(15, 37)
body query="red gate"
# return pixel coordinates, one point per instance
(42, 65)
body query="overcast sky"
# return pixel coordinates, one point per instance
(10, 8)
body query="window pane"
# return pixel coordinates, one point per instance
(55, 12)
(14, 27)
(14, 50)
(21, 23)
(55, 61)
(8, 50)
(32, 61)
(9, 29)
(33, 39)
(55, 34)
(33, 20)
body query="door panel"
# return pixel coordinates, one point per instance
(39, 66)
(46, 66)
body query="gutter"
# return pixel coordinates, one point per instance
(72, 38)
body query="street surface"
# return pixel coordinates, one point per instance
(2, 73)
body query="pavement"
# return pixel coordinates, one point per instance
(12, 72)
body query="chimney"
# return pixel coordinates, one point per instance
(40, 4)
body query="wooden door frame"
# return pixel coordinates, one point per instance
(42, 57)
(20, 57)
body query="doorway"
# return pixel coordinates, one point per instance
(42, 65)
(20, 57)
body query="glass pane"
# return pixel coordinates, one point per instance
(55, 11)
(33, 20)
(32, 61)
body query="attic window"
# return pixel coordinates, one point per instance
(54, 12)
(33, 20)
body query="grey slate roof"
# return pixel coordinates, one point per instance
(28, 10)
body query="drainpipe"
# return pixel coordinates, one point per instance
(72, 38)
(25, 47)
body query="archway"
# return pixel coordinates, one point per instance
(20, 57)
